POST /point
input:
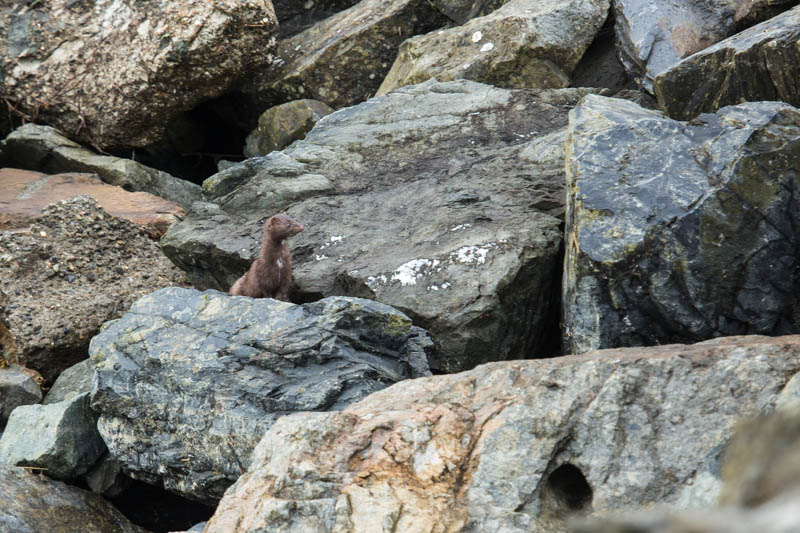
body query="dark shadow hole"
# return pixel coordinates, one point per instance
(569, 488)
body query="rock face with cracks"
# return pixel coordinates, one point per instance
(680, 231)
(188, 382)
(514, 446)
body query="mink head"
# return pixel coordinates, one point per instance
(282, 227)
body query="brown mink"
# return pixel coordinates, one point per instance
(270, 275)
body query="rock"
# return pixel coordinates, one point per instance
(24, 194)
(679, 231)
(113, 74)
(60, 438)
(76, 268)
(106, 477)
(512, 446)
(460, 228)
(654, 35)
(72, 382)
(461, 11)
(33, 503)
(188, 382)
(525, 43)
(17, 387)
(294, 16)
(761, 63)
(280, 126)
(45, 149)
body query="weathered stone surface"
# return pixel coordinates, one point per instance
(72, 382)
(106, 477)
(513, 446)
(461, 11)
(188, 382)
(654, 35)
(76, 268)
(525, 43)
(34, 503)
(280, 126)
(45, 149)
(680, 231)
(294, 16)
(23, 195)
(460, 228)
(113, 73)
(761, 63)
(61, 438)
(17, 387)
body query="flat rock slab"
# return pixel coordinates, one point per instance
(187, 382)
(760, 63)
(680, 230)
(514, 446)
(459, 228)
(23, 195)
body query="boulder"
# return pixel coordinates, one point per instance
(18, 386)
(294, 16)
(45, 149)
(73, 381)
(76, 268)
(525, 43)
(654, 35)
(280, 126)
(680, 231)
(460, 228)
(460, 11)
(114, 73)
(761, 63)
(23, 195)
(187, 382)
(60, 438)
(514, 446)
(33, 503)
(106, 478)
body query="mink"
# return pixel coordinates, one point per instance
(270, 275)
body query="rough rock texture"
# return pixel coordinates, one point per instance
(72, 382)
(75, 269)
(280, 126)
(45, 149)
(294, 16)
(106, 477)
(654, 35)
(680, 231)
(319, 62)
(461, 11)
(61, 438)
(114, 72)
(514, 446)
(17, 387)
(34, 503)
(23, 195)
(525, 43)
(459, 228)
(188, 382)
(761, 63)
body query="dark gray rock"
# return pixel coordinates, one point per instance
(459, 228)
(60, 438)
(280, 126)
(107, 478)
(187, 382)
(680, 231)
(460, 11)
(761, 63)
(17, 387)
(33, 504)
(72, 382)
(295, 16)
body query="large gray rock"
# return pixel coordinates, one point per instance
(33, 504)
(761, 63)
(524, 44)
(73, 381)
(114, 73)
(280, 126)
(18, 386)
(680, 231)
(60, 438)
(45, 149)
(188, 382)
(514, 446)
(459, 228)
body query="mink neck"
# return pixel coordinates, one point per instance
(271, 248)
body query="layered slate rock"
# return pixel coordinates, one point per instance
(459, 228)
(33, 503)
(654, 35)
(45, 149)
(514, 446)
(280, 126)
(113, 73)
(187, 382)
(18, 386)
(524, 44)
(680, 231)
(761, 63)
